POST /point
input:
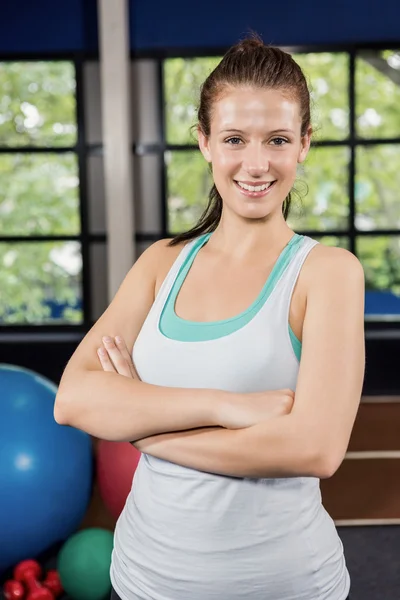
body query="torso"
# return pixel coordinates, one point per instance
(195, 518)
(225, 293)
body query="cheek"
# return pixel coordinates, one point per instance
(287, 163)
(224, 161)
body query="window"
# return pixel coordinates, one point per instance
(40, 223)
(352, 173)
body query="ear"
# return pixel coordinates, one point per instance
(204, 144)
(305, 145)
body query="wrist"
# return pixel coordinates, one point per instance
(222, 405)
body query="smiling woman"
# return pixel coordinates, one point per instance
(237, 280)
(243, 369)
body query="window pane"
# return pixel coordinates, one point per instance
(378, 93)
(39, 194)
(377, 187)
(182, 80)
(332, 240)
(37, 104)
(325, 205)
(380, 257)
(189, 182)
(40, 283)
(328, 76)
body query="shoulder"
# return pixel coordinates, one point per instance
(328, 267)
(160, 252)
(160, 257)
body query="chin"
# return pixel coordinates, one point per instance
(255, 214)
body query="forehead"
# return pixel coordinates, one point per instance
(239, 108)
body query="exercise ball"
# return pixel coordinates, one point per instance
(116, 465)
(83, 564)
(45, 468)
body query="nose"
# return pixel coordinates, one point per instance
(256, 160)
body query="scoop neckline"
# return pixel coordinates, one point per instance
(196, 248)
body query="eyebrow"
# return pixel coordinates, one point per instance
(270, 132)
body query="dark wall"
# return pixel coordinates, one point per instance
(46, 26)
(211, 23)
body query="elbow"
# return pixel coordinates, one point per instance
(59, 413)
(65, 404)
(322, 458)
(60, 409)
(327, 463)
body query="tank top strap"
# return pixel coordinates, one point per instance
(284, 288)
(174, 270)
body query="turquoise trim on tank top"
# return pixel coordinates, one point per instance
(176, 328)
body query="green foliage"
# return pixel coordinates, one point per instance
(380, 259)
(323, 186)
(35, 274)
(377, 185)
(189, 181)
(182, 80)
(378, 94)
(39, 194)
(37, 104)
(327, 76)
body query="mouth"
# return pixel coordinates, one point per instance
(255, 191)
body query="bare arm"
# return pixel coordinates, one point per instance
(272, 448)
(117, 408)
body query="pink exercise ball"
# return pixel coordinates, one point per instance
(116, 466)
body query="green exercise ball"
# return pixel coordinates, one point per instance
(84, 563)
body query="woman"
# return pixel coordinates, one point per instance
(235, 431)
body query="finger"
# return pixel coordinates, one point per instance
(105, 360)
(121, 345)
(119, 362)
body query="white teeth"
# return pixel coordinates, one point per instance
(255, 188)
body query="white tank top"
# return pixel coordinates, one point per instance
(189, 535)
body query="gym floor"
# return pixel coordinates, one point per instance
(372, 554)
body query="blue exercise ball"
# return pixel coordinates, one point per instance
(45, 468)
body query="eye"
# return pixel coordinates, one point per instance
(233, 141)
(279, 141)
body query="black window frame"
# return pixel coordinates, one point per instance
(83, 238)
(375, 329)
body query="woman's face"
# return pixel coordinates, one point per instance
(254, 147)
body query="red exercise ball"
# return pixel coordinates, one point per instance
(116, 466)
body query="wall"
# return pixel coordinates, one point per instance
(71, 25)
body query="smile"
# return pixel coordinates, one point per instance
(255, 191)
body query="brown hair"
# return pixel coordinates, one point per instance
(248, 63)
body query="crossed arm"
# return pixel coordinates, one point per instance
(313, 438)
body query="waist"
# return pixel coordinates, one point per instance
(166, 490)
(193, 534)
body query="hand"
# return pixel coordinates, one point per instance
(239, 411)
(115, 358)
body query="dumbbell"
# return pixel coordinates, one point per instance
(53, 582)
(29, 572)
(13, 590)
